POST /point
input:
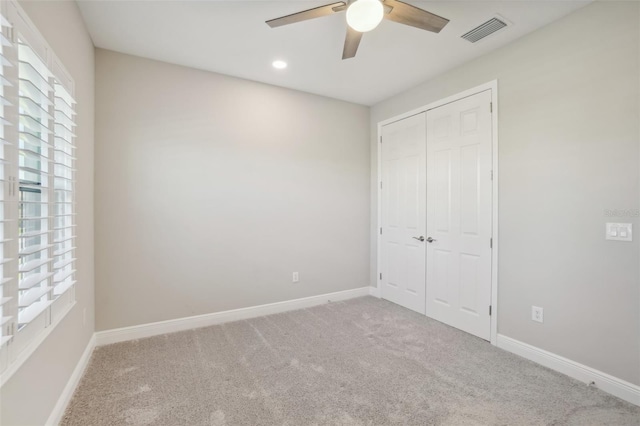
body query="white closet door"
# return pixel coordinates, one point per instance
(403, 204)
(459, 199)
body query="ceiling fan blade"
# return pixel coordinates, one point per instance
(317, 12)
(351, 43)
(406, 14)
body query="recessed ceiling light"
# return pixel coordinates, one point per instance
(279, 65)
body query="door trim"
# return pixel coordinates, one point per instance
(493, 86)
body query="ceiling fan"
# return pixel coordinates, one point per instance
(365, 15)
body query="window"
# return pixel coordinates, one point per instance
(37, 153)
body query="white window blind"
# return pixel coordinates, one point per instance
(37, 191)
(63, 186)
(35, 169)
(5, 252)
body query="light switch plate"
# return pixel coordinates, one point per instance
(619, 232)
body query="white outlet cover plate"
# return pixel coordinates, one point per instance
(619, 232)
(537, 314)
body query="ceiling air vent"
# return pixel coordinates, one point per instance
(484, 30)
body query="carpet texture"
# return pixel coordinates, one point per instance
(361, 362)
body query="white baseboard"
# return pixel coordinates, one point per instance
(171, 326)
(610, 384)
(375, 292)
(58, 411)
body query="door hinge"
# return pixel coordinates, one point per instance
(380, 184)
(491, 174)
(490, 242)
(489, 310)
(380, 139)
(380, 275)
(490, 106)
(380, 231)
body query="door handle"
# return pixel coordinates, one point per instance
(420, 238)
(430, 240)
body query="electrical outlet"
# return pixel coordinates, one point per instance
(537, 314)
(296, 277)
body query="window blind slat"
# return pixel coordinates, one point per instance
(62, 251)
(30, 90)
(34, 170)
(33, 265)
(4, 41)
(63, 275)
(29, 72)
(33, 126)
(5, 82)
(65, 108)
(34, 279)
(26, 219)
(62, 287)
(33, 295)
(63, 239)
(63, 95)
(37, 156)
(4, 101)
(31, 235)
(33, 249)
(32, 108)
(32, 312)
(64, 141)
(28, 55)
(65, 114)
(63, 263)
(64, 133)
(4, 61)
(63, 120)
(33, 140)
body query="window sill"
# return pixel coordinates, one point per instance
(25, 354)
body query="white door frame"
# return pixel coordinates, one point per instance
(493, 86)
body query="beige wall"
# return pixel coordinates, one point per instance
(30, 395)
(211, 191)
(568, 150)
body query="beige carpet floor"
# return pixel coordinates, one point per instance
(361, 362)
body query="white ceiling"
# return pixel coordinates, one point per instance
(231, 37)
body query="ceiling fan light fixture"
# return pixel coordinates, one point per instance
(365, 15)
